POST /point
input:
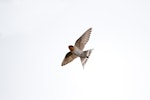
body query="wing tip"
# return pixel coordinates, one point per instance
(63, 64)
(90, 28)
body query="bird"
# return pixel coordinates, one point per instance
(77, 49)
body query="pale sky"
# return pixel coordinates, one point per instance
(34, 38)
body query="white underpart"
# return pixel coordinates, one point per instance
(77, 51)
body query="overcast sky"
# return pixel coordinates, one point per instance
(34, 38)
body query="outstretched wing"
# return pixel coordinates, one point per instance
(68, 58)
(80, 43)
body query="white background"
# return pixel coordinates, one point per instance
(34, 38)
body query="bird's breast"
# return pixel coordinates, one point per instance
(77, 51)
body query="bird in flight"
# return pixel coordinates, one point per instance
(77, 49)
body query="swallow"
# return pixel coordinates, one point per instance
(77, 49)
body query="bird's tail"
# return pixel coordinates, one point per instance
(87, 55)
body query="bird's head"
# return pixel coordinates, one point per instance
(71, 48)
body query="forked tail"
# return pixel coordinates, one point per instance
(87, 55)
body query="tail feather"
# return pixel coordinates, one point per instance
(87, 54)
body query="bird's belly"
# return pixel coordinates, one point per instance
(77, 52)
